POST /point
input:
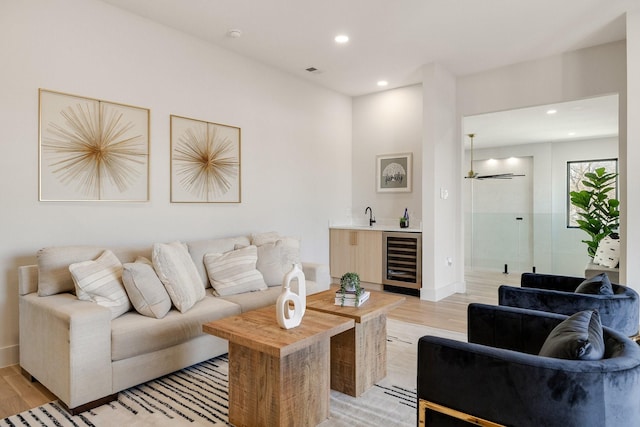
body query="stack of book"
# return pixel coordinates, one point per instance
(350, 298)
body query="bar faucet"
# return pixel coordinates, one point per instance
(372, 220)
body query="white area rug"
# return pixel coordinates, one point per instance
(197, 396)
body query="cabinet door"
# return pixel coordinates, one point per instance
(342, 252)
(357, 251)
(369, 256)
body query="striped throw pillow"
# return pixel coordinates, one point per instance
(234, 272)
(100, 281)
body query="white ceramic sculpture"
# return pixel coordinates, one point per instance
(289, 317)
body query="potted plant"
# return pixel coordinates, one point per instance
(350, 284)
(599, 213)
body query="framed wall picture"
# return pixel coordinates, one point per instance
(205, 162)
(92, 150)
(393, 172)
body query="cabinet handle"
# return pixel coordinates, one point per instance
(353, 238)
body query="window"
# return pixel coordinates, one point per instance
(575, 176)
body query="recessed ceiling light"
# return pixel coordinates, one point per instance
(383, 83)
(234, 33)
(552, 111)
(341, 38)
(571, 133)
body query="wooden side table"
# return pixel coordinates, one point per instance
(359, 355)
(278, 377)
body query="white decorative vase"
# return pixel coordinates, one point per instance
(291, 317)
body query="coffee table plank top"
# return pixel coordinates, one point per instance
(259, 330)
(378, 303)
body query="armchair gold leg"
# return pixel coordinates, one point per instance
(425, 404)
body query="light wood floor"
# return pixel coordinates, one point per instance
(451, 313)
(18, 395)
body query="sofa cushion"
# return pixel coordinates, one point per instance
(608, 252)
(198, 249)
(260, 239)
(289, 249)
(99, 281)
(53, 264)
(578, 338)
(54, 276)
(176, 270)
(598, 285)
(248, 301)
(235, 271)
(253, 300)
(270, 262)
(146, 292)
(133, 334)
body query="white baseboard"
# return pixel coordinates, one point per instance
(428, 294)
(9, 355)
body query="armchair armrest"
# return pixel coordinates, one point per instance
(65, 344)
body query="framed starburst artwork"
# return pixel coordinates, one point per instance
(205, 162)
(393, 173)
(92, 150)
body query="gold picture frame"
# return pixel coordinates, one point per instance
(91, 149)
(205, 161)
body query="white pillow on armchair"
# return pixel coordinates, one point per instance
(608, 252)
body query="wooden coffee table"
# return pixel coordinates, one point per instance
(359, 355)
(278, 377)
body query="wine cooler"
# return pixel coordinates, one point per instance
(402, 262)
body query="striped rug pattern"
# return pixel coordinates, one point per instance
(197, 396)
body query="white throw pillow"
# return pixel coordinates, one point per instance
(145, 290)
(178, 274)
(270, 262)
(99, 281)
(289, 248)
(608, 252)
(290, 252)
(234, 272)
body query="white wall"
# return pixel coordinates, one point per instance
(387, 122)
(296, 138)
(442, 239)
(599, 70)
(630, 151)
(556, 248)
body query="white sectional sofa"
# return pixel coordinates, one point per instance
(85, 353)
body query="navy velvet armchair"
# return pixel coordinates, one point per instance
(498, 376)
(556, 294)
